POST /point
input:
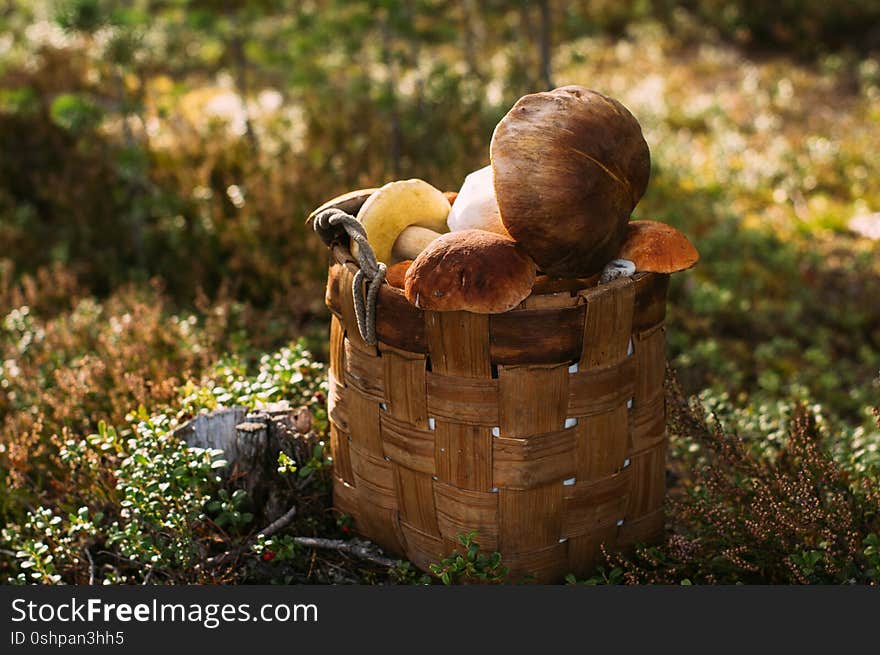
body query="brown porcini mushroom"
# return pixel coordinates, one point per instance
(569, 167)
(657, 248)
(470, 270)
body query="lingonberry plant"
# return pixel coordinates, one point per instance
(471, 565)
(142, 505)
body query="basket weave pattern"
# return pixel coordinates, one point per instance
(458, 422)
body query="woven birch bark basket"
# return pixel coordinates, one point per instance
(541, 429)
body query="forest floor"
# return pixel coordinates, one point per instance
(767, 163)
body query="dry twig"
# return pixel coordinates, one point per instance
(278, 524)
(91, 566)
(360, 549)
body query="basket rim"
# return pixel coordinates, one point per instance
(544, 285)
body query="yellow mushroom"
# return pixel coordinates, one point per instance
(401, 218)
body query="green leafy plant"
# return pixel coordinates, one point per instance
(404, 573)
(48, 544)
(602, 576)
(152, 518)
(74, 113)
(289, 374)
(227, 510)
(470, 565)
(276, 549)
(319, 463)
(872, 555)
(286, 465)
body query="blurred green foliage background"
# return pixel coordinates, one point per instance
(158, 159)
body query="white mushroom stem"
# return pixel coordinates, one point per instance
(476, 206)
(412, 241)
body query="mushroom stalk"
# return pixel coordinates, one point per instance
(412, 241)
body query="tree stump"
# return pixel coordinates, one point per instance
(250, 441)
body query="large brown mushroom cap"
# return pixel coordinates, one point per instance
(470, 270)
(569, 167)
(657, 248)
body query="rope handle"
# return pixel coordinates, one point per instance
(329, 225)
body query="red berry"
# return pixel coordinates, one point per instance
(268, 556)
(345, 529)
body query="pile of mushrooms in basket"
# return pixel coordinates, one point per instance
(567, 169)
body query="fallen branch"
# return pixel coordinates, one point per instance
(277, 524)
(360, 549)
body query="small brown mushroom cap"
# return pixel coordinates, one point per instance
(656, 247)
(396, 273)
(470, 270)
(569, 167)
